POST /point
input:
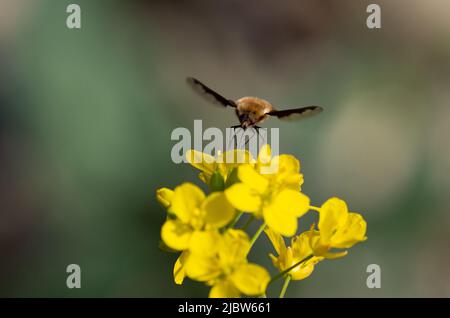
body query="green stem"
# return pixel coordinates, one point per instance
(285, 286)
(235, 220)
(257, 234)
(281, 274)
(249, 221)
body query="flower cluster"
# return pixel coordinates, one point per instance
(214, 251)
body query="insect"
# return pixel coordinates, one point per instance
(252, 110)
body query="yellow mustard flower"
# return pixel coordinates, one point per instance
(338, 228)
(299, 250)
(227, 269)
(201, 226)
(223, 164)
(197, 218)
(273, 194)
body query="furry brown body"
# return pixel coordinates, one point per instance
(252, 110)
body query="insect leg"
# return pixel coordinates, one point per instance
(233, 137)
(248, 140)
(240, 139)
(257, 128)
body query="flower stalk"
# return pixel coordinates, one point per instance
(249, 221)
(287, 280)
(257, 234)
(286, 271)
(233, 223)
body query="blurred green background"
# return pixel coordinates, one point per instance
(86, 117)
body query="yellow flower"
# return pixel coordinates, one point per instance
(164, 196)
(338, 228)
(299, 250)
(227, 270)
(275, 196)
(281, 170)
(197, 218)
(223, 163)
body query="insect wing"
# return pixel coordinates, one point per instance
(296, 113)
(209, 94)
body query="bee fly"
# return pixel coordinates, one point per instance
(251, 110)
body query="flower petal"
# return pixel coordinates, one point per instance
(282, 223)
(204, 242)
(201, 268)
(330, 255)
(243, 198)
(176, 234)
(201, 161)
(178, 269)
(187, 198)
(293, 202)
(251, 178)
(231, 160)
(164, 196)
(265, 155)
(251, 279)
(293, 181)
(224, 289)
(302, 271)
(276, 261)
(352, 232)
(301, 249)
(234, 247)
(277, 241)
(301, 245)
(235, 157)
(218, 211)
(282, 213)
(288, 164)
(333, 214)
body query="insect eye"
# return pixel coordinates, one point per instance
(243, 117)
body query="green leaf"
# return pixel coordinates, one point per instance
(232, 178)
(216, 183)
